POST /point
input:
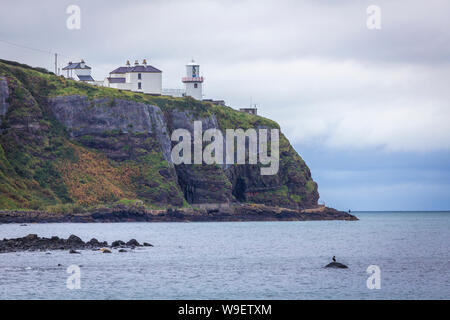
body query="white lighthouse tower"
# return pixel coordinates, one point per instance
(193, 82)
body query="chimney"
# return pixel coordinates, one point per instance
(82, 64)
(144, 62)
(128, 63)
(136, 63)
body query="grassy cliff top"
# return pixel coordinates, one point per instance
(52, 85)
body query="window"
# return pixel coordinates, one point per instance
(195, 85)
(139, 76)
(139, 85)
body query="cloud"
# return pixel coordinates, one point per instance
(347, 104)
(312, 66)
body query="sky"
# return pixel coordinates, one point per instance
(367, 109)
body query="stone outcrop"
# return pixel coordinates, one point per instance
(336, 265)
(64, 142)
(4, 95)
(32, 242)
(210, 212)
(99, 119)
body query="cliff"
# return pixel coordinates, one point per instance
(68, 146)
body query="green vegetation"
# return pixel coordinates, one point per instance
(42, 167)
(229, 118)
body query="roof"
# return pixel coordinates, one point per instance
(85, 78)
(135, 69)
(116, 80)
(75, 65)
(192, 63)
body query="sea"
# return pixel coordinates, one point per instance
(390, 255)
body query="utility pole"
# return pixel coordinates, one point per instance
(56, 63)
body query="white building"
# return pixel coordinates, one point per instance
(193, 82)
(140, 78)
(79, 71)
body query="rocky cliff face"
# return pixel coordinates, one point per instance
(4, 95)
(64, 142)
(95, 122)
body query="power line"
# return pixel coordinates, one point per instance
(25, 47)
(31, 48)
(38, 50)
(44, 51)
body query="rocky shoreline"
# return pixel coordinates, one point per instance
(32, 242)
(121, 213)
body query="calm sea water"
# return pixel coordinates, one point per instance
(246, 260)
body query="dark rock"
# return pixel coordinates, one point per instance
(106, 251)
(94, 242)
(133, 243)
(32, 242)
(146, 244)
(117, 243)
(74, 239)
(336, 265)
(30, 237)
(122, 250)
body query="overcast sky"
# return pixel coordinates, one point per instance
(367, 109)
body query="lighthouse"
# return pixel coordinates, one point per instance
(193, 82)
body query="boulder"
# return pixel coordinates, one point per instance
(117, 243)
(32, 242)
(336, 265)
(74, 239)
(133, 243)
(31, 237)
(146, 244)
(93, 242)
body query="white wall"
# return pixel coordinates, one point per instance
(151, 82)
(191, 91)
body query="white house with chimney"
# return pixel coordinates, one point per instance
(139, 78)
(78, 71)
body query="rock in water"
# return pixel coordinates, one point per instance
(74, 251)
(133, 243)
(117, 243)
(336, 265)
(74, 239)
(32, 242)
